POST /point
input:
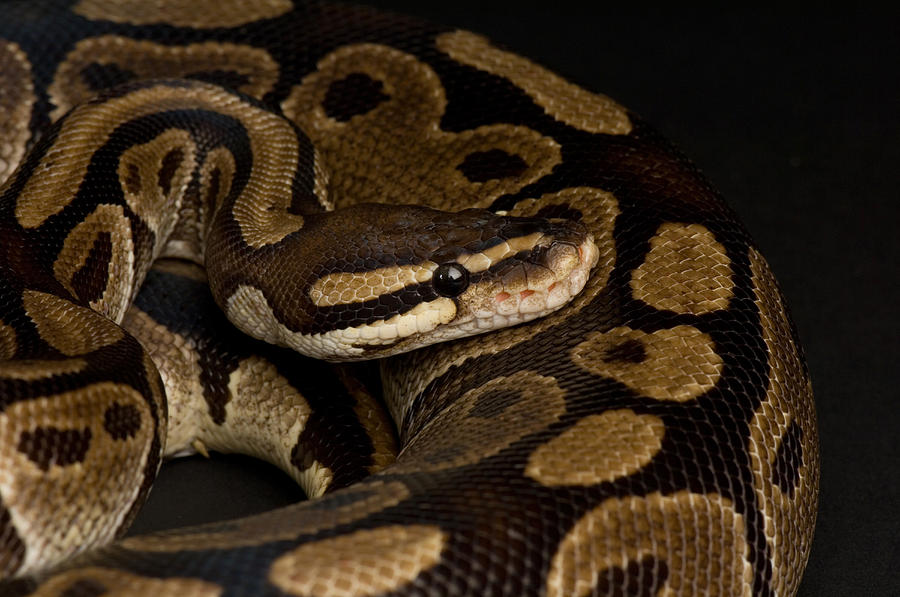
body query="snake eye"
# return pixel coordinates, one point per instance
(450, 279)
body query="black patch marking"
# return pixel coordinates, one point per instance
(90, 281)
(122, 421)
(630, 351)
(788, 460)
(102, 76)
(355, 94)
(212, 190)
(84, 587)
(170, 163)
(48, 445)
(133, 180)
(482, 166)
(225, 78)
(643, 578)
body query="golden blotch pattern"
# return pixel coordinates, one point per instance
(257, 70)
(598, 210)
(68, 328)
(788, 401)
(395, 148)
(61, 444)
(560, 99)
(34, 369)
(363, 563)
(672, 364)
(196, 14)
(686, 271)
(16, 102)
(597, 448)
(698, 537)
(484, 420)
(116, 291)
(154, 175)
(262, 210)
(118, 583)
(285, 524)
(8, 342)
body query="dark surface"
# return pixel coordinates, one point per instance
(794, 118)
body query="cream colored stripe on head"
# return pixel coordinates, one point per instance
(344, 288)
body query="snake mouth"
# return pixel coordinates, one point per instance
(551, 278)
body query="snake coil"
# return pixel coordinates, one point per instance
(353, 184)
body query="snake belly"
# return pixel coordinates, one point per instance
(655, 436)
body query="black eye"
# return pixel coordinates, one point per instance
(450, 279)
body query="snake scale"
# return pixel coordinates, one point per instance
(355, 184)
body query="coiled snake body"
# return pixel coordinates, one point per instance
(655, 435)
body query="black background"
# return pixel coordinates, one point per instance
(793, 117)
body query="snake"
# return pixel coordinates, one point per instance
(505, 336)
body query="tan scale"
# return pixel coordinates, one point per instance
(176, 360)
(788, 399)
(17, 98)
(70, 329)
(76, 250)
(365, 563)
(35, 369)
(686, 271)
(275, 147)
(199, 14)
(141, 168)
(148, 60)
(598, 448)
(417, 161)
(280, 525)
(536, 401)
(677, 364)
(681, 530)
(104, 463)
(562, 100)
(8, 342)
(118, 583)
(187, 240)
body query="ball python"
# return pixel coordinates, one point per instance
(651, 430)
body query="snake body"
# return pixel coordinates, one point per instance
(315, 168)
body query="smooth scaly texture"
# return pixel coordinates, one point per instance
(656, 435)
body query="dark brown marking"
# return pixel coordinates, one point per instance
(90, 280)
(48, 445)
(789, 459)
(482, 166)
(170, 164)
(133, 179)
(12, 549)
(212, 192)
(355, 94)
(562, 210)
(492, 403)
(643, 578)
(85, 587)
(122, 421)
(225, 78)
(103, 76)
(630, 351)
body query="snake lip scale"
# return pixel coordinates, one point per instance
(587, 379)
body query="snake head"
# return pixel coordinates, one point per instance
(386, 279)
